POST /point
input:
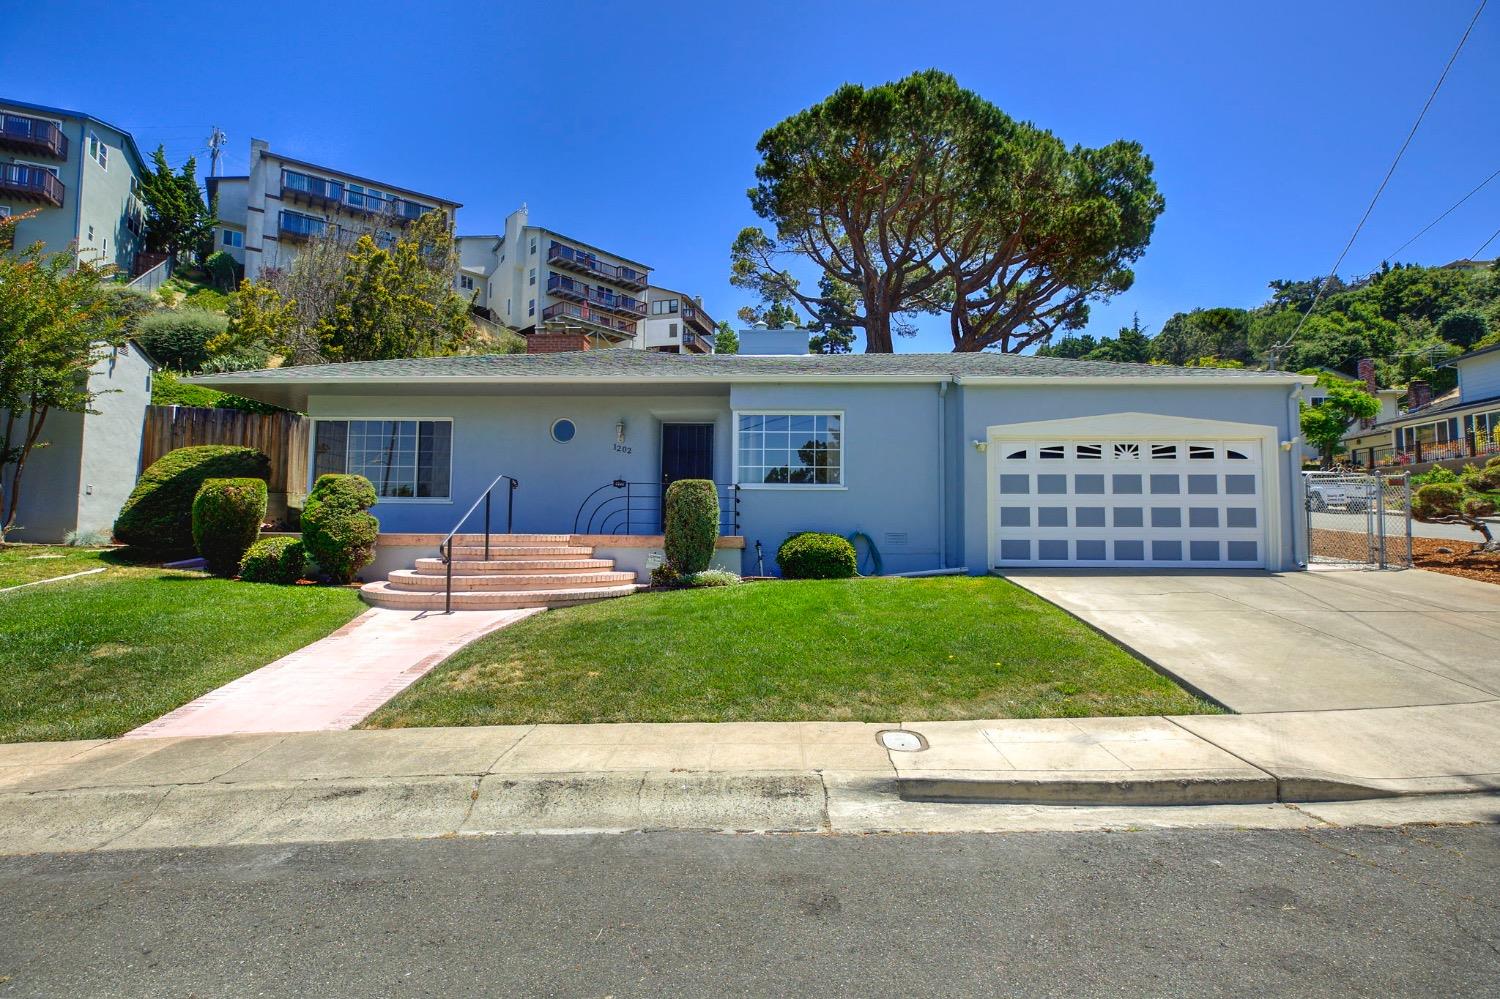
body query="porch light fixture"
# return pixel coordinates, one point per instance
(620, 431)
(980, 446)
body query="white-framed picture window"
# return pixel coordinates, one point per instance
(403, 459)
(465, 282)
(233, 237)
(789, 450)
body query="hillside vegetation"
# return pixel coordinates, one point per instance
(1408, 317)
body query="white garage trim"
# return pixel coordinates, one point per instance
(1259, 440)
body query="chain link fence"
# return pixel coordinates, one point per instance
(1358, 519)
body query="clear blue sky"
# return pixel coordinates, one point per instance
(633, 126)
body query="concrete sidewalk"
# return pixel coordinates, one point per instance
(336, 681)
(807, 776)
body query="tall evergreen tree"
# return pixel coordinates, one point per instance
(177, 220)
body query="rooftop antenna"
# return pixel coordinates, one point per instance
(216, 142)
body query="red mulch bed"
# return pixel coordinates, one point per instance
(1460, 559)
(1456, 558)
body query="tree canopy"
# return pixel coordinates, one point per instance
(1324, 425)
(177, 220)
(57, 319)
(919, 196)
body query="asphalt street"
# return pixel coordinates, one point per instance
(1376, 912)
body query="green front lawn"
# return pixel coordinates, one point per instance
(31, 563)
(858, 650)
(98, 656)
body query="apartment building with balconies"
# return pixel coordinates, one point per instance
(269, 214)
(675, 324)
(80, 174)
(535, 280)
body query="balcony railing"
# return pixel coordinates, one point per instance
(297, 186)
(33, 135)
(295, 225)
(31, 183)
(562, 286)
(697, 316)
(562, 255)
(303, 186)
(588, 314)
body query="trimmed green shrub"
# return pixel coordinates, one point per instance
(222, 269)
(712, 577)
(226, 521)
(336, 531)
(811, 555)
(274, 560)
(692, 524)
(178, 339)
(158, 516)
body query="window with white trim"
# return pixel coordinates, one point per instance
(403, 459)
(233, 237)
(98, 151)
(790, 449)
(465, 282)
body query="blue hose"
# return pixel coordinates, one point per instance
(874, 553)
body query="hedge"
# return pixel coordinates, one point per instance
(226, 521)
(336, 531)
(692, 524)
(178, 339)
(274, 560)
(158, 516)
(811, 555)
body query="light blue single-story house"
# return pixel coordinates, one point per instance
(976, 461)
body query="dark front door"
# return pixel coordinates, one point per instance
(687, 452)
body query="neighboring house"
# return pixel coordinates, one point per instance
(83, 175)
(974, 460)
(81, 474)
(267, 215)
(1463, 423)
(535, 280)
(675, 324)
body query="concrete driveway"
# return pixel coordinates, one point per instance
(1298, 641)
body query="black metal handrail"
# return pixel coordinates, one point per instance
(638, 508)
(445, 547)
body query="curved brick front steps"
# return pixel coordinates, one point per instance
(523, 570)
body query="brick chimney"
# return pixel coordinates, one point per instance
(1418, 394)
(1372, 386)
(556, 343)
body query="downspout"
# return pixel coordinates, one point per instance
(1293, 457)
(942, 481)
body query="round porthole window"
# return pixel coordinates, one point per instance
(563, 431)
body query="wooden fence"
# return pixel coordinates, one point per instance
(281, 436)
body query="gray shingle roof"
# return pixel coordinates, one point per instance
(624, 363)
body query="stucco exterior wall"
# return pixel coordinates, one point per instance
(513, 435)
(890, 470)
(49, 483)
(112, 437)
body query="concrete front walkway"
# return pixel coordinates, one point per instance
(1298, 641)
(335, 682)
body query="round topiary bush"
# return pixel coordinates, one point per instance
(692, 524)
(226, 521)
(158, 516)
(274, 560)
(811, 555)
(336, 531)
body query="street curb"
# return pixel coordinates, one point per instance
(1010, 790)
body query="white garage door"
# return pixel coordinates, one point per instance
(1128, 502)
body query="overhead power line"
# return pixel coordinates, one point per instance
(1493, 236)
(1318, 292)
(1482, 184)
